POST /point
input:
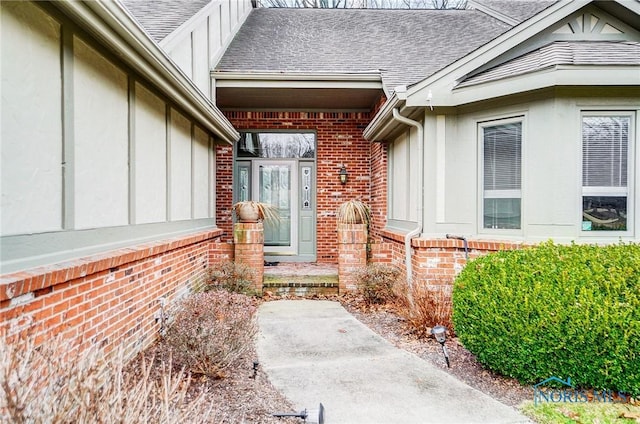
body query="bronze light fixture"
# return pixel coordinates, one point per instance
(343, 174)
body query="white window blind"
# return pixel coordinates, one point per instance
(502, 157)
(605, 143)
(502, 175)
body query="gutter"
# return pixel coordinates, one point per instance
(420, 193)
(114, 27)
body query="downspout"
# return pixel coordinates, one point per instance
(420, 193)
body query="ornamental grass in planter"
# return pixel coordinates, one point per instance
(252, 211)
(354, 212)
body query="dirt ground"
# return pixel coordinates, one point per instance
(245, 395)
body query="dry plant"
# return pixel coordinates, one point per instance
(376, 283)
(47, 384)
(231, 276)
(424, 307)
(354, 212)
(259, 211)
(208, 331)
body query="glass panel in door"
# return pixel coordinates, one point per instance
(275, 184)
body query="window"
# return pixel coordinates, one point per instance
(276, 145)
(605, 172)
(502, 175)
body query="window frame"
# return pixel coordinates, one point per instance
(609, 191)
(481, 125)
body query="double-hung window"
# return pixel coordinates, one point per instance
(605, 171)
(502, 174)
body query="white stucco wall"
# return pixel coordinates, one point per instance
(198, 43)
(150, 153)
(551, 168)
(100, 133)
(120, 164)
(180, 167)
(31, 127)
(201, 174)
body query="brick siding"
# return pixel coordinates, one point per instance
(339, 141)
(107, 299)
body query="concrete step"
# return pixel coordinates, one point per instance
(300, 285)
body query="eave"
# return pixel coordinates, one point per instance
(296, 91)
(110, 23)
(557, 76)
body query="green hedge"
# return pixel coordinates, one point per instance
(564, 311)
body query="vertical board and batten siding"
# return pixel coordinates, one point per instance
(150, 156)
(100, 139)
(196, 46)
(31, 126)
(130, 158)
(107, 189)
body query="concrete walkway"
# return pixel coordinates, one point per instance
(315, 351)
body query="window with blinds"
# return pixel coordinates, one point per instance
(605, 172)
(502, 175)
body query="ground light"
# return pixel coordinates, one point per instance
(440, 333)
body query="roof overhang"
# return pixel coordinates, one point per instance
(557, 76)
(295, 91)
(110, 23)
(439, 89)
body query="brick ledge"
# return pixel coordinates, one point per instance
(473, 244)
(22, 282)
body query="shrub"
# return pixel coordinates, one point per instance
(565, 311)
(231, 276)
(376, 283)
(44, 384)
(209, 331)
(423, 307)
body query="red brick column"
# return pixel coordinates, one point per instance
(352, 254)
(248, 238)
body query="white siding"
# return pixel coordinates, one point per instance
(31, 127)
(399, 178)
(200, 62)
(201, 174)
(181, 55)
(180, 168)
(150, 146)
(197, 44)
(101, 140)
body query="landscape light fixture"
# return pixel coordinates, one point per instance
(440, 333)
(343, 174)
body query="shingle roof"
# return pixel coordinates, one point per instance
(563, 53)
(520, 10)
(405, 45)
(161, 17)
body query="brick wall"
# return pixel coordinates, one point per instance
(106, 299)
(436, 262)
(339, 141)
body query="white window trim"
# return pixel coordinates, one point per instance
(500, 194)
(611, 191)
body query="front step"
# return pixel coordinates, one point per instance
(281, 285)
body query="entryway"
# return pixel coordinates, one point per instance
(279, 168)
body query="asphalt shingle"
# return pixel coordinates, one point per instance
(563, 53)
(520, 10)
(161, 17)
(406, 46)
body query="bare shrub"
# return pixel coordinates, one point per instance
(44, 384)
(376, 283)
(424, 307)
(210, 330)
(231, 276)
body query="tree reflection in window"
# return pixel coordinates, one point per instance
(276, 145)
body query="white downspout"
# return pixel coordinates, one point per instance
(420, 193)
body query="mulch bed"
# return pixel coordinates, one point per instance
(242, 396)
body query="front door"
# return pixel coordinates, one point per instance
(279, 168)
(275, 182)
